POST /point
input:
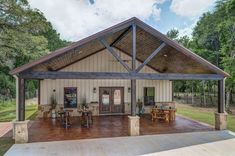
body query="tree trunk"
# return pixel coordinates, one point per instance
(204, 94)
(192, 95)
(227, 101)
(209, 93)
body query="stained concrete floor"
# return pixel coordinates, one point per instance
(209, 143)
(108, 126)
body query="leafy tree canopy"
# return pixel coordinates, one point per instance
(25, 35)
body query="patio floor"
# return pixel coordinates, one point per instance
(108, 126)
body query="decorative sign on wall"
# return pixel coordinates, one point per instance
(70, 97)
(105, 98)
(117, 97)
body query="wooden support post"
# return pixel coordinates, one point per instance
(221, 115)
(154, 53)
(21, 99)
(221, 96)
(133, 81)
(115, 55)
(133, 97)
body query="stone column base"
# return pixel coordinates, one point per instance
(20, 131)
(221, 121)
(133, 125)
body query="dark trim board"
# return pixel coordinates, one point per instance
(116, 75)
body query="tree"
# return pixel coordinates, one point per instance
(25, 35)
(213, 38)
(173, 34)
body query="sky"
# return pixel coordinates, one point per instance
(77, 19)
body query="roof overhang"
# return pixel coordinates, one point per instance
(173, 58)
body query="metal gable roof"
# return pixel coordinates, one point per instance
(179, 60)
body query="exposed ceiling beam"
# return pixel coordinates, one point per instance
(151, 57)
(118, 75)
(120, 37)
(112, 51)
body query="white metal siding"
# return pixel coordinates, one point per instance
(103, 62)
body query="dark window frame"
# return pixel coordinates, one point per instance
(149, 100)
(68, 105)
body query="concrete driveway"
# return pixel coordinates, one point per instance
(214, 143)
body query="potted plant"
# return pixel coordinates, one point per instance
(84, 104)
(140, 107)
(53, 105)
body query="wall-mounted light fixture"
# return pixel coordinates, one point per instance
(129, 89)
(94, 90)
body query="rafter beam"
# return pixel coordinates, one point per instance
(151, 57)
(113, 52)
(118, 75)
(120, 37)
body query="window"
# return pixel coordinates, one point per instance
(70, 97)
(149, 93)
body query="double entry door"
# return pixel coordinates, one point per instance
(111, 100)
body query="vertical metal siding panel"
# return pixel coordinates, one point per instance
(164, 93)
(166, 90)
(156, 90)
(63, 84)
(98, 62)
(171, 91)
(160, 93)
(166, 86)
(168, 93)
(48, 91)
(163, 90)
(59, 88)
(43, 92)
(102, 62)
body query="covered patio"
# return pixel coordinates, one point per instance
(143, 54)
(42, 130)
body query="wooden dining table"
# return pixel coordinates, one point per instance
(65, 117)
(86, 117)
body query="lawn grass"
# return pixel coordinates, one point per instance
(8, 110)
(5, 144)
(206, 116)
(8, 113)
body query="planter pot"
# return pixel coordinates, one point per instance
(53, 113)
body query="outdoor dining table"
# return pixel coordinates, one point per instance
(65, 118)
(86, 118)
